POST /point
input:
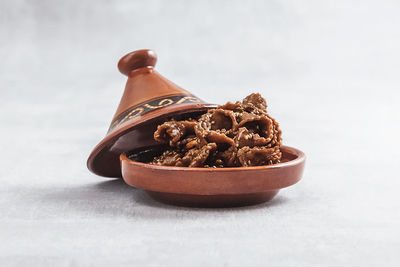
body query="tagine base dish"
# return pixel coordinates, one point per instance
(211, 187)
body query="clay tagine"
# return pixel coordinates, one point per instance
(150, 99)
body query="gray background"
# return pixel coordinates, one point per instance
(328, 69)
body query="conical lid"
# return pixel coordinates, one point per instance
(148, 100)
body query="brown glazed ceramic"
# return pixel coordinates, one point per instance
(214, 187)
(148, 99)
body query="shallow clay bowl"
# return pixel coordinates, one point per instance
(211, 187)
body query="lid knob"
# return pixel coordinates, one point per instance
(137, 59)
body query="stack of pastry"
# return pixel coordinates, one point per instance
(232, 135)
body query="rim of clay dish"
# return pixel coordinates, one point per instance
(300, 157)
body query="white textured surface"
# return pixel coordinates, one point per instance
(330, 73)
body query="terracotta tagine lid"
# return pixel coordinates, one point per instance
(148, 99)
